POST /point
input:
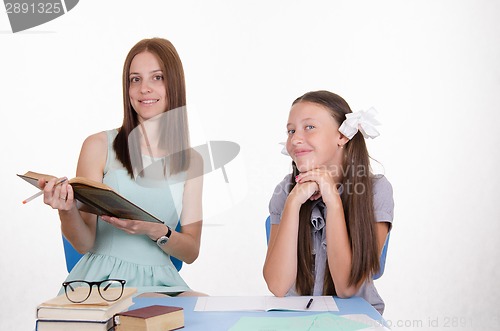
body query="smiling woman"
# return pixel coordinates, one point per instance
(133, 250)
(153, 83)
(148, 95)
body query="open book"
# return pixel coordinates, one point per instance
(266, 303)
(98, 198)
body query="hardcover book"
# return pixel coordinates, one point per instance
(151, 318)
(59, 325)
(98, 198)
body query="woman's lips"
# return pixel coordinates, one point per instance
(149, 101)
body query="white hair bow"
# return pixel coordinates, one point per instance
(363, 121)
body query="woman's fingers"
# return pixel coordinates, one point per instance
(57, 193)
(70, 197)
(48, 190)
(129, 226)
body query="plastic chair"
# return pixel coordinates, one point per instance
(72, 256)
(382, 256)
(268, 228)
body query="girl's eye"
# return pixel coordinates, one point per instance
(134, 79)
(309, 127)
(291, 131)
(158, 77)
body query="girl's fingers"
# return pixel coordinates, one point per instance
(308, 178)
(306, 190)
(316, 195)
(325, 184)
(308, 174)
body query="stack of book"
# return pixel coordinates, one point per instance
(94, 314)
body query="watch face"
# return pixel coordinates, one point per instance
(162, 241)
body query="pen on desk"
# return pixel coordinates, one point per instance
(59, 181)
(309, 303)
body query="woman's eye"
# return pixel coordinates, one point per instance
(158, 77)
(292, 131)
(309, 127)
(134, 79)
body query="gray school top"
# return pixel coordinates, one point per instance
(383, 205)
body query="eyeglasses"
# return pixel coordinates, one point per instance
(77, 291)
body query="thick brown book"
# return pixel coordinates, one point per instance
(98, 198)
(151, 318)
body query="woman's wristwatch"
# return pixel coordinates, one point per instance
(162, 241)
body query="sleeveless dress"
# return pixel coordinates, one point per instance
(134, 258)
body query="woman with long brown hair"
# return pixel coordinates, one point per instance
(331, 216)
(154, 135)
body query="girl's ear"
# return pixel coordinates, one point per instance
(342, 140)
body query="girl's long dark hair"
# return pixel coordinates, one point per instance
(175, 134)
(357, 201)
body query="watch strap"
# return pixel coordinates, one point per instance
(169, 232)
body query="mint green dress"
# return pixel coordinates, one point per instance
(134, 258)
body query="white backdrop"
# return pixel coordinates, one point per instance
(431, 68)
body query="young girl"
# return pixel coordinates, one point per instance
(331, 216)
(133, 250)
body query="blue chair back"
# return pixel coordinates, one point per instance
(72, 256)
(382, 256)
(268, 228)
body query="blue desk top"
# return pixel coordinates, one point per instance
(194, 320)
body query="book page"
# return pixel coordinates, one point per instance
(32, 177)
(265, 303)
(230, 304)
(299, 303)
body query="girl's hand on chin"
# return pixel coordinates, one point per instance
(327, 187)
(304, 191)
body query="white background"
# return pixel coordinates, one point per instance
(431, 68)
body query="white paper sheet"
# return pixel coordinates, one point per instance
(265, 303)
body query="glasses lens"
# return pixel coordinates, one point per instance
(111, 290)
(77, 291)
